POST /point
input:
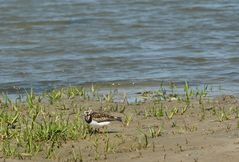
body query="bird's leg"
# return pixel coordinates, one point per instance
(97, 130)
(94, 130)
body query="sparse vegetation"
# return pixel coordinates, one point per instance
(43, 126)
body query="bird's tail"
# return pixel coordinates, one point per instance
(118, 119)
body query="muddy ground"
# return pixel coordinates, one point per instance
(167, 130)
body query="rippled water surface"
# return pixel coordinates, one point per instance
(45, 44)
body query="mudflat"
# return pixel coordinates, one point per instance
(162, 127)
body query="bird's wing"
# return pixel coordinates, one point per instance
(101, 117)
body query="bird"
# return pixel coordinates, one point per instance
(98, 119)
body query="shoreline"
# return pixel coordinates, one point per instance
(131, 89)
(163, 126)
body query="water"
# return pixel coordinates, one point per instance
(46, 44)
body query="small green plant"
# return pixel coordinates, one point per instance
(202, 93)
(108, 97)
(184, 109)
(8, 149)
(236, 112)
(155, 132)
(187, 92)
(172, 86)
(6, 101)
(127, 119)
(156, 111)
(93, 90)
(73, 91)
(222, 115)
(30, 99)
(172, 113)
(55, 95)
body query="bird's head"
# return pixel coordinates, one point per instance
(87, 115)
(88, 112)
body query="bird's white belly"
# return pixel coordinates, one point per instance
(101, 124)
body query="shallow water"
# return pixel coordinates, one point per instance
(49, 44)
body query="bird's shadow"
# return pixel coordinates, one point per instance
(112, 131)
(104, 131)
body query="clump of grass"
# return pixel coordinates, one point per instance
(8, 149)
(187, 92)
(78, 129)
(54, 95)
(115, 107)
(108, 97)
(127, 119)
(222, 115)
(30, 99)
(172, 113)
(155, 132)
(236, 112)
(172, 86)
(74, 91)
(155, 111)
(143, 139)
(27, 128)
(202, 92)
(5, 102)
(93, 90)
(184, 109)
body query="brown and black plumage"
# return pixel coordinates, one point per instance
(98, 119)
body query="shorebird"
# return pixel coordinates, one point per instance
(98, 119)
